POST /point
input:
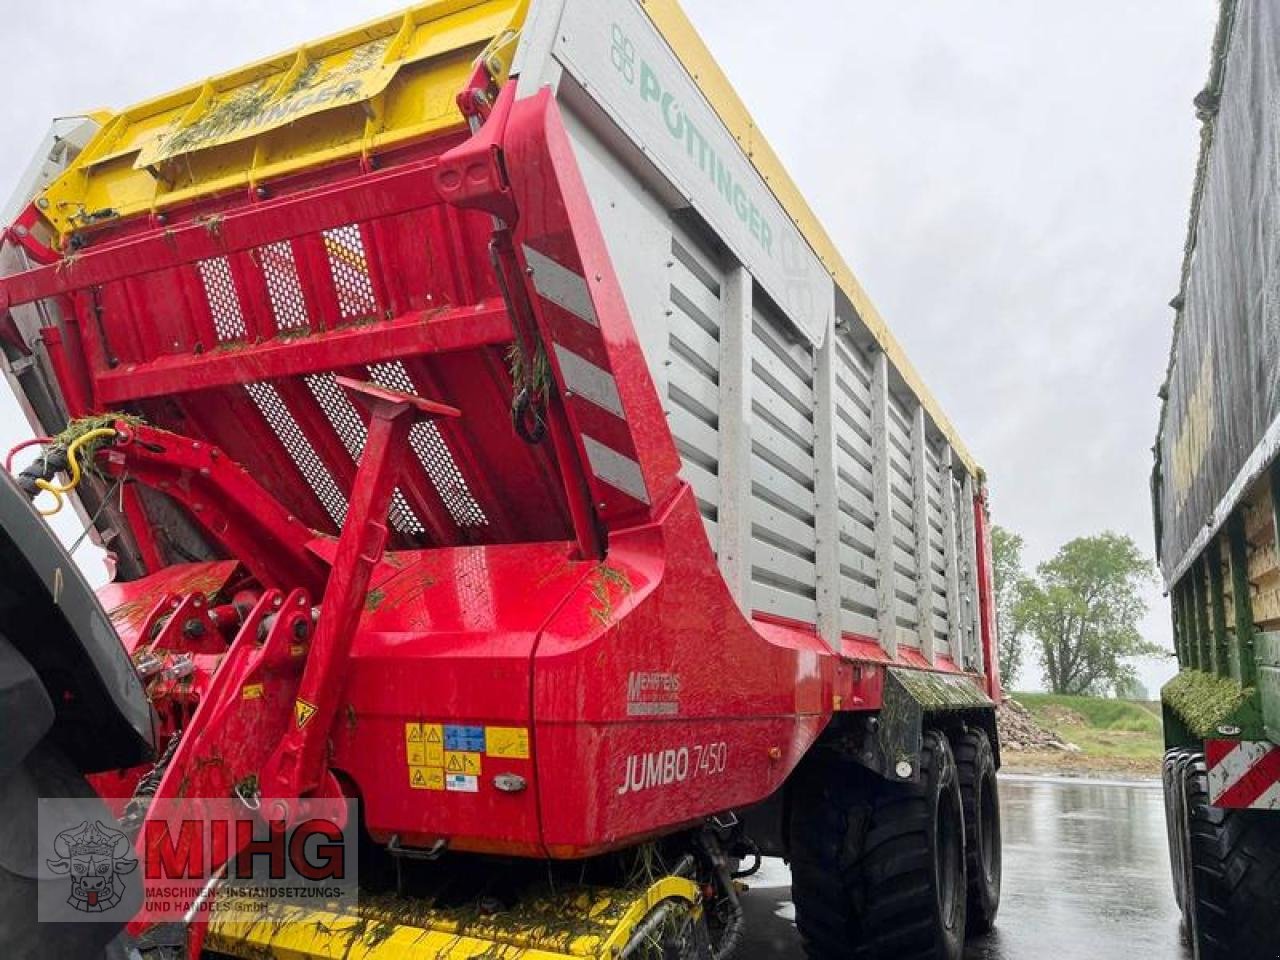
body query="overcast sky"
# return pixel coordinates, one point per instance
(1009, 180)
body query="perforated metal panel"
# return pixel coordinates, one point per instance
(284, 286)
(224, 301)
(341, 413)
(350, 269)
(433, 453)
(274, 410)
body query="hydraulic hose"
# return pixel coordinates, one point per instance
(38, 476)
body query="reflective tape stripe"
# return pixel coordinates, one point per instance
(616, 469)
(588, 381)
(1228, 771)
(561, 285)
(1269, 799)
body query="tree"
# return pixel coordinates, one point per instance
(1082, 609)
(1006, 567)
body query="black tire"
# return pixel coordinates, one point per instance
(1176, 824)
(878, 868)
(1234, 877)
(976, 765)
(44, 773)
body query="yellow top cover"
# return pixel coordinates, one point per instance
(352, 94)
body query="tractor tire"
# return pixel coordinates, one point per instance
(1173, 779)
(878, 868)
(45, 772)
(976, 764)
(1234, 858)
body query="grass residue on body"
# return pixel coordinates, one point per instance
(1204, 701)
(603, 579)
(81, 425)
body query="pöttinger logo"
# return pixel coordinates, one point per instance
(623, 55)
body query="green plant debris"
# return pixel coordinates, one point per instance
(936, 691)
(603, 579)
(82, 425)
(200, 764)
(130, 614)
(160, 623)
(1204, 701)
(538, 378)
(352, 720)
(574, 919)
(247, 786)
(212, 224)
(67, 263)
(306, 78)
(374, 599)
(221, 116)
(405, 587)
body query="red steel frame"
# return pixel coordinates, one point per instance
(525, 621)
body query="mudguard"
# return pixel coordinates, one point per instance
(56, 628)
(910, 695)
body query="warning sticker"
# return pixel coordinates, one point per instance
(456, 761)
(451, 756)
(433, 744)
(252, 691)
(426, 778)
(509, 742)
(461, 783)
(303, 712)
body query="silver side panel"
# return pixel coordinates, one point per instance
(827, 493)
(783, 475)
(614, 51)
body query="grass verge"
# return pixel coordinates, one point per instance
(1114, 736)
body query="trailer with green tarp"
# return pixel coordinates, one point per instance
(1216, 498)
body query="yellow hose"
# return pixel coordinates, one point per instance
(73, 467)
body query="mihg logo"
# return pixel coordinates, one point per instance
(94, 857)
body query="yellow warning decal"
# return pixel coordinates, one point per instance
(451, 757)
(458, 761)
(433, 737)
(511, 743)
(252, 691)
(303, 712)
(434, 753)
(426, 778)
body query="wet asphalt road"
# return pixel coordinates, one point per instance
(1086, 877)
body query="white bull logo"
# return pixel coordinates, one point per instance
(94, 857)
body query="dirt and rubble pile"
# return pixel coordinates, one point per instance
(1020, 731)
